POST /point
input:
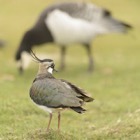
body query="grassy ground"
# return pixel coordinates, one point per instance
(115, 113)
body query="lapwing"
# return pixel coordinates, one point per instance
(66, 23)
(55, 95)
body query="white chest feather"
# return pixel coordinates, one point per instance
(66, 29)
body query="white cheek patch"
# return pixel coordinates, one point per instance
(50, 70)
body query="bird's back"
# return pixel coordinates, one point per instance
(74, 9)
(51, 92)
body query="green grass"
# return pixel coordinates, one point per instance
(115, 113)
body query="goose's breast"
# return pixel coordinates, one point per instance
(66, 29)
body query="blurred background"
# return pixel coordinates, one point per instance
(114, 84)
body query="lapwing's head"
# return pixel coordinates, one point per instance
(45, 65)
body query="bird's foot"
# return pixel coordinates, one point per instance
(48, 130)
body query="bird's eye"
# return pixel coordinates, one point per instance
(52, 66)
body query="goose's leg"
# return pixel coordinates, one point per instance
(59, 119)
(49, 122)
(90, 57)
(62, 59)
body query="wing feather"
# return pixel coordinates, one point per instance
(85, 96)
(53, 93)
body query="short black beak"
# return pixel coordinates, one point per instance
(55, 70)
(52, 66)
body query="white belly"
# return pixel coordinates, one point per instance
(66, 29)
(50, 110)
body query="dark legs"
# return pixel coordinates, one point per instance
(62, 59)
(49, 122)
(89, 53)
(59, 119)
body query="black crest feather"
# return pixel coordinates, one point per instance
(34, 56)
(37, 59)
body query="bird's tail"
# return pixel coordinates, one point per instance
(78, 109)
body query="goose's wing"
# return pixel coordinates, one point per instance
(79, 10)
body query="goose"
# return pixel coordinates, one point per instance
(67, 23)
(55, 95)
